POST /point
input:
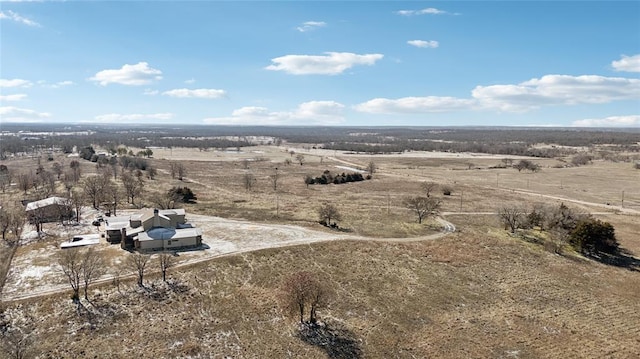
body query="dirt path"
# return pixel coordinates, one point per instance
(226, 237)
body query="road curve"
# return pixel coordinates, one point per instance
(447, 228)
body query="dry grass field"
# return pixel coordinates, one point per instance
(476, 293)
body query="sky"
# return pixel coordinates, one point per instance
(328, 63)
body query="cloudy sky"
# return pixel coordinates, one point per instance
(438, 63)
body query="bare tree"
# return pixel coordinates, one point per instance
(151, 172)
(177, 170)
(25, 181)
(75, 174)
(93, 187)
(112, 192)
(92, 267)
(132, 186)
(327, 212)
(166, 261)
(428, 187)
(165, 200)
(300, 158)
(16, 341)
(6, 176)
(138, 262)
(303, 291)
(5, 221)
(78, 199)
(512, 217)
(423, 206)
(57, 169)
(12, 219)
(18, 219)
(371, 168)
(248, 181)
(70, 260)
(274, 179)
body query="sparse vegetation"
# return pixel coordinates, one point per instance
(473, 279)
(423, 207)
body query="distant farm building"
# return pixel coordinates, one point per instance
(153, 229)
(48, 210)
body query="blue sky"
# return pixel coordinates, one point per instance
(348, 63)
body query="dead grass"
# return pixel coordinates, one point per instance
(477, 293)
(470, 295)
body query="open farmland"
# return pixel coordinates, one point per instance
(401, 289)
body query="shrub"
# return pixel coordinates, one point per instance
(592, 236)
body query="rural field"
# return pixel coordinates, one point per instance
(457, 285)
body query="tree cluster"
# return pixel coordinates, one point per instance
(526, 165)
(133, 163)
(584, 233)
(327, 177)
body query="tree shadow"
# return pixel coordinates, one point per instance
(621, 258)
(336, 340)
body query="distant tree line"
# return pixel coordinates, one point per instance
(496, 140)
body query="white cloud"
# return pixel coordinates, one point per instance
(311, 25)
(332, 63)
(528, 95)
(627, 63)
(56, 85)
(612, 121)
(15, 83)
(425, 44)
(14, 97)
(197, 93)
(135, 117)
(10, 15)
(17, 114)
(557, 90)
(134, 75)
(190, 81)
(414, 105)
(150, 92)
(429, 11)
(307, 113)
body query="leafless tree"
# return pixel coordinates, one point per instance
(512, 217)
(93, 187)
(17, 341)
(25, 181)
(57, 169)
(151, 172)
(428, 187)
(75, 174)
(423, 206)
(371, 168)
(18, 219)
(300, 158)
(78, 199)
(92, 267)
(248, 181)
(177, 170)
(274, 179)
(6, 175)
(132, 186)
(112, 192)
(5, 221)
(165, 200)
(166, 261)
(138, 262)
(507, 162)
(70, 260)
(303, 291)
(328, 212)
